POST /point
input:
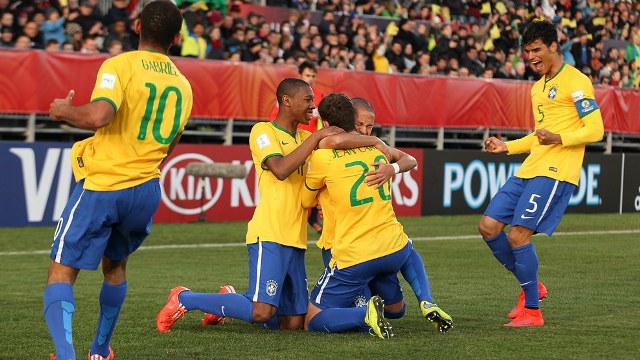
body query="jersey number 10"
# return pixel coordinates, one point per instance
(157, 122)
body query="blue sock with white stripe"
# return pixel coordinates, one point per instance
(236, 306)
(501, 249)
(527, 273)
(59, 306)
(413, 271)
(335, 320)
(111, 300)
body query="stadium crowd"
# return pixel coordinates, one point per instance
(477, 38)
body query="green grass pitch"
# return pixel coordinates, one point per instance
(591, 267)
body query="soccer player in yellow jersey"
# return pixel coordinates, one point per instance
(364, 252)
(277, 233)
(567, 118)
(139, 107)
(413, 269)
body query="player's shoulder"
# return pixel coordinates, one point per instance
(574, 75)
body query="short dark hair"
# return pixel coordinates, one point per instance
(290, 87)
(540, 30)
(362, 104)
(307, 64)
(337, 109)
(160, 22)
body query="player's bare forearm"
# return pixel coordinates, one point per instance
(405, 161)
(91, 116)
(384, 172)
(282, 167)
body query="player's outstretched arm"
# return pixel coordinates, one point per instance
(283, 166)
(91, 116)
(383, 172)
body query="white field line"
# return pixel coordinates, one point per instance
(427, 238)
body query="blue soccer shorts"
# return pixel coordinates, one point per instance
(537, 204)
(277, 276)
(104, 223)
(342, 288)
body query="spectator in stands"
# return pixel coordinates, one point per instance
(471, 62)
(119, 10)
(52, 45)
(53, 27)
(632, 51)
(215, 45)
(87, 18)
(74, 35)
(32, 31)
(6, 38)
(118, 32)
(89, 46)
(23, 42)
(115, 48)
(193, 42)
(581, 52)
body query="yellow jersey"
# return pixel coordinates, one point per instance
(328, 220)
(565, 105)
(279, 216)
(366, 227)
(152, 102)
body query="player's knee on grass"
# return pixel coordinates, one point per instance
(291, 322)
(395, 311)
(263, 312)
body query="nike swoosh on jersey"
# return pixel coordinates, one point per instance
(526, 217)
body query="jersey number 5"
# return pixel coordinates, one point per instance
(157, 122)
(353, 195)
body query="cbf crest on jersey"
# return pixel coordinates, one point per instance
(553, 92)
(272, 287)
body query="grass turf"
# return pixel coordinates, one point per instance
(590, 267)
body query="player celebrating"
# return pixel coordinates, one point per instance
(277, 234)
(308, 71)
(139, 107)
(413, 270)
(364, 252)
(567, 118)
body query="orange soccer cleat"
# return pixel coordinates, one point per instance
(528, 317)
(542, 292)
(172, 310)
(100, 357)
(211, 319)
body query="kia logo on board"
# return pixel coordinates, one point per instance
(184, 193)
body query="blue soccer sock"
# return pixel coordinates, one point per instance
(501, 249)
(111, 300)
(527, 273)
(59, 306)
(236, 306)
(272, 324)
(335, 320)
(413, 271)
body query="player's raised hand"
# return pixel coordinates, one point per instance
(546, 137)
(380, 175)
(495, 145)
(58, 106)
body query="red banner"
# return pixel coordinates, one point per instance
(185, 197)
(29, 80)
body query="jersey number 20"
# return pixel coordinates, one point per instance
(353, 195)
